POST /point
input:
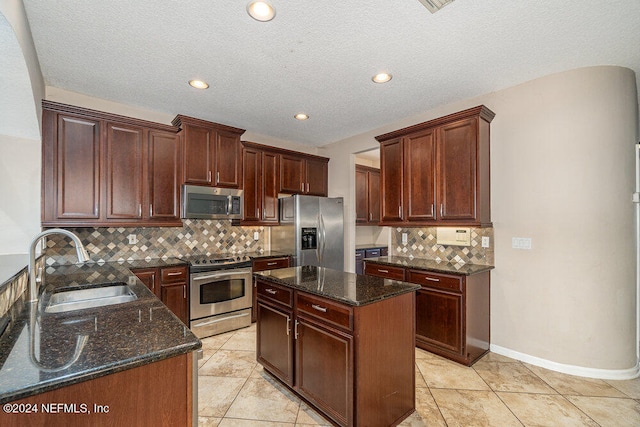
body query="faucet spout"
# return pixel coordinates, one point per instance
(81, 253)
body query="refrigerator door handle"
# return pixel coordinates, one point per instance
(319, 241)
(323, 233)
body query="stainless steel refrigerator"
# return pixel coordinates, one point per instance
(312, 230)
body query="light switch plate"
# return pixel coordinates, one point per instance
(521, 242)
(456, 236)
(256, 235)
(485, 241)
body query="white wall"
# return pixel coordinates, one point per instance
(562, 173)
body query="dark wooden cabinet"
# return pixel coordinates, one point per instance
(260, 177)
(211, 153)
(339, 358)
(367, 195)
(100, 169)
(171, 285)
(263, 264)
(437, 172)
(70, 168)
(303, 174)
(452, 311)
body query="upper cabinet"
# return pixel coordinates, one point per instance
(437, 172)
(260, 177)
(303, 174)
(212, 153)
(367, 195)
(100, 169)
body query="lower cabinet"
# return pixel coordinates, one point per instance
(312, 344)
(263, 264)
(452, 311)
(171, 285)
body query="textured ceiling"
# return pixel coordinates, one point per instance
(318, 57)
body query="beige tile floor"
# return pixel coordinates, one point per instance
(496, 391)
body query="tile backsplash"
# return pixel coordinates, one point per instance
(194, 237)
(421, 243)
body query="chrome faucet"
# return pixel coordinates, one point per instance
(81, 252)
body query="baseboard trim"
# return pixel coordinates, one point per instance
(605, 374)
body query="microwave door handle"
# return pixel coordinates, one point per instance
(229, 205)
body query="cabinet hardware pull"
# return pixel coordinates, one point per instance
(432, 279)
(184, 291)
(302, 186)
(257, 212)
(441, 210)
(177, 273)
(432, 209)
(272, 263)
(307, 187)
(288, 325)
(140, 209)
(208, 176)
(217, 177)
(264, 213)
(295, 329)
(400, 212)
(151, 209)
(271, 291)
(383, 271)
(317, 307)
(370, 216)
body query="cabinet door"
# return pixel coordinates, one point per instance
(198, 146)
(124, 172)
(439, 319)
(149, 276)
(316, 182)
(324, 369)
(374, 196)
(362, 196)
(164, 175)
(175, 298)
(391, 180)
(457, 170)
(420, 174)
(228, 172)
(275, 342)
(269, 187)
(291, 174)
(251, 160)
(76, 150)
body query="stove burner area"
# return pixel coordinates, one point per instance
(212, 262)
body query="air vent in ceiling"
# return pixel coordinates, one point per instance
(435, 5)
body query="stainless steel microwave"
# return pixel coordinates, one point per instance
(211, 202)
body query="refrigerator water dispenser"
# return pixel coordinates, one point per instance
(309, 238)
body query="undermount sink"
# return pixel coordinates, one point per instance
(79, 299)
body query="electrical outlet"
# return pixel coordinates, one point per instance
(485, 241)
(404, 238)
(256, 235)
(133, 239)
(132, 280)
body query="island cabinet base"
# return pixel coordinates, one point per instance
(157, 394)
(354, 364)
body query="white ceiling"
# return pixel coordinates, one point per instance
(319, 56)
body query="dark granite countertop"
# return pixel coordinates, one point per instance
(369, 246)
(431, 265)
(348, 288)
(118, 337)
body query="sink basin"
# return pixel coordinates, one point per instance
(79, 299)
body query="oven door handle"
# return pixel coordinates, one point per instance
(217, 276)
(219, 320)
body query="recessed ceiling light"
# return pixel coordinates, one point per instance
(301, 116)
(381, 78)
(261, 11)
(199, 84)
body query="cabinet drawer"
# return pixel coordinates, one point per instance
(173, 274)
(270, 264)
(395, 273)
(451, 283)
(320, 308)
(373, 253)
(279, 294)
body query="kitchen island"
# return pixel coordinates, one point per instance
(342, 342)
(122, 364)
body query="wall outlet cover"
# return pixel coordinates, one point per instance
(256, 235)
(404, 238)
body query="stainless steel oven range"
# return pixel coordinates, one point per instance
(220, 294)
